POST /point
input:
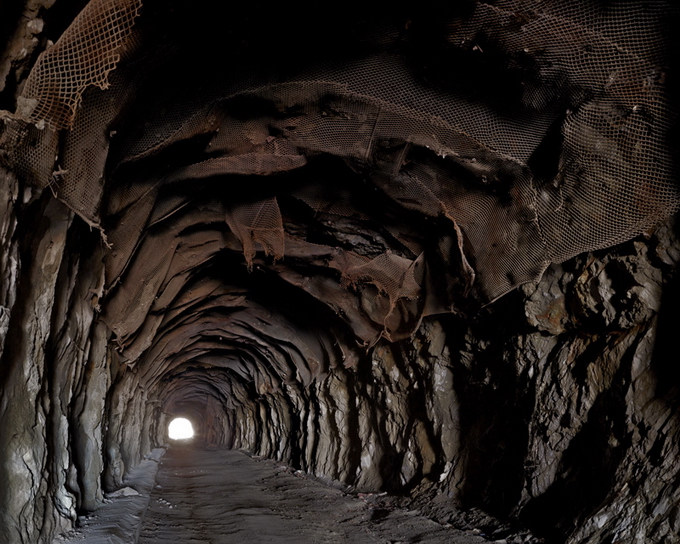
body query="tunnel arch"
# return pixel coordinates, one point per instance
(391, 259)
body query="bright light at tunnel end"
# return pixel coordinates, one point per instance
(180, 429)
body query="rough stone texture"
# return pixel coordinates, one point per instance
(352, 338)
(21, 40)
(9, 261)
(545, 408)
(27, 505)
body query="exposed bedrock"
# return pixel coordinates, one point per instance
(429, 252)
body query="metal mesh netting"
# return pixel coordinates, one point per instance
(545, 132)
(78, 65)
(616, 170)
(258, 223)
(83, 56)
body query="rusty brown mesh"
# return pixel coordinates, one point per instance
(389, 273)
(616, 170)
(85, 150)
(256, 223)
(83, 56)
(594, 80)
(77, 67)
(396, 281)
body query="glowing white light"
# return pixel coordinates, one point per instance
(180, 429)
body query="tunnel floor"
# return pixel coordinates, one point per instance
(222, 496)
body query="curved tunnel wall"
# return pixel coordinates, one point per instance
(308, 262)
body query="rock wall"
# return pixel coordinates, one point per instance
(31, 464)
(556, 406)
(61, 392)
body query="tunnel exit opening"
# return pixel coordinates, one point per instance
(180, 428)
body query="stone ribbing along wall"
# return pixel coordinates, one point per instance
(34, 439)
(57, 371)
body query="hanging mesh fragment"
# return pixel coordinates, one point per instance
(258, 223)
(83, 56)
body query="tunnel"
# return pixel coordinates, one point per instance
(427, 253)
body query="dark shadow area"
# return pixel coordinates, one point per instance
(496, 405)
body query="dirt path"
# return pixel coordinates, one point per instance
(222, 496)
(225, 496)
